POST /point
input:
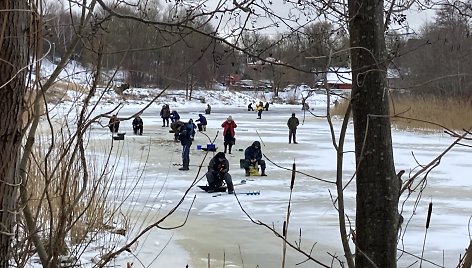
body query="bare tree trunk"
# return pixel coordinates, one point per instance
(14, 51)
(377, 184)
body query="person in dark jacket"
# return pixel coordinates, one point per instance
(175, 129)
(249, 107)
(174, 116)
(202, 123)
(165, 115)
(185, 137)
(138, 125)
(228, 133)
(292, 124)
(114, 124)
(253, 157)
(191, 127)
(266, 106)
(208, 109)
(218, 172)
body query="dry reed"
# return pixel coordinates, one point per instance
(424, 113)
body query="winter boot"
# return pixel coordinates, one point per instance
(225, 148)
(230, 187)
(185, 165)
(229, 150)
(247, 172)
(263, 173)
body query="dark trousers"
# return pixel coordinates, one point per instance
(138, 130)
(215, 180)
(165, 121)
(292, 134)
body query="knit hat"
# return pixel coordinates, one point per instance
(230, 118)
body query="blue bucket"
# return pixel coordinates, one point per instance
(199, 147)
(210, 146)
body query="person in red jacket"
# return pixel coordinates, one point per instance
(228, 133)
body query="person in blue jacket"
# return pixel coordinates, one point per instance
(253, 157)
(174, 116)
(202, 123)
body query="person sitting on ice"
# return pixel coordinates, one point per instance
(208, 109)
(202, 122)
(249, 107)
(218, 172)
(253, 157)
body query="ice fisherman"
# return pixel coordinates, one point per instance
(202, 122)
(174, 116)
(228, 133)
(185, 137)
(114, 124)
(253, 157)
(249, 107)
(137, 125)
(208, 109)
(266, 106)
(218, 172)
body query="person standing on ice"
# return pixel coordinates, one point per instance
(228, 133)
(218, 172)
(165, 115)
(185, 137)
(259, 109)
(137, 125)
(253, 157)
(114, 124)
(292, 124)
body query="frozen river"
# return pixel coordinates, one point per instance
(149, 184)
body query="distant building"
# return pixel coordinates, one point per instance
(337, 79)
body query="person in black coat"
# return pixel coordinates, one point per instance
(266, 106)
(185, 137)
(138, 125)
(218, 172)
(253, 157)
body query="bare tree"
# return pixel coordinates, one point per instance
(17, 47)
(378, 187)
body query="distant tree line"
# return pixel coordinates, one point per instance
(155, 56)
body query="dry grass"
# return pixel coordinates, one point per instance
(424, 113)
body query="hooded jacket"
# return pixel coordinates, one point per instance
(253, 151)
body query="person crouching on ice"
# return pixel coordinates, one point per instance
(218, 172)
(253, 157)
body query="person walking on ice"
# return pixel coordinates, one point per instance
(253, 157)
(292, 124)
(218, 172)
(228, 133)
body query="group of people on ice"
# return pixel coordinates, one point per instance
(218, 168)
